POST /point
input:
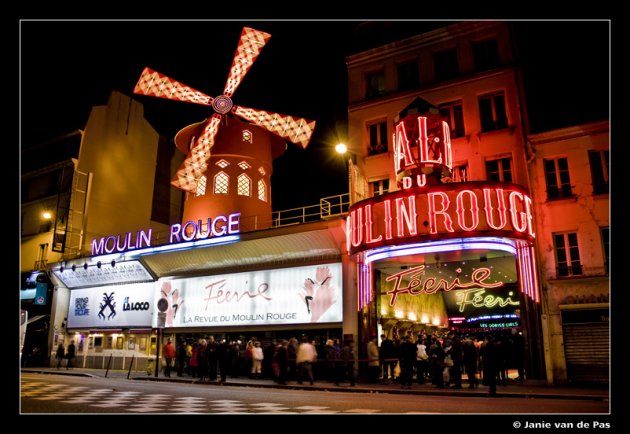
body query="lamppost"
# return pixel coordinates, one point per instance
(342, 150)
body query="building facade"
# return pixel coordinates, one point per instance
(570, 187)
(468, 73)
(92, 190)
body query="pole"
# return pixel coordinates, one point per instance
(109, 362)
(130, 365)
(157, 353)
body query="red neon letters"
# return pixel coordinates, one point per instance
(453, 210)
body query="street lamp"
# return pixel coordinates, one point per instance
(46, 215)
(341, 148)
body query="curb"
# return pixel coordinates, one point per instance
(363, 389)
(348, 389)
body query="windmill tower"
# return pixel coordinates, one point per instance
(228, 163)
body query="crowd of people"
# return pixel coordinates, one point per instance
(442, 359)
(282, 360)
(439, 358)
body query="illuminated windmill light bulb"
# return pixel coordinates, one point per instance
(399, 314)
(412, 316)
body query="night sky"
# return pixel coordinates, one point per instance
(69, 66)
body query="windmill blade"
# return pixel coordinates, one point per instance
(296, 130)
(249, 46)
(188, 174)
(196, 162)
(152, 83)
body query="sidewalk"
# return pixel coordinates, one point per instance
(527, 389)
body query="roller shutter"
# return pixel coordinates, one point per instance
(586, 335)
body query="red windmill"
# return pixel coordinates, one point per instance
(152, 83)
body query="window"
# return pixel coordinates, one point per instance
(445, 64)
(606, 245)
(375, 84)
(492, 112)
(557, 177)
(567, 255)
(262, 190)
(244, 185)
(261, 170)
(379, 187)
(222, 164)
(599, 171)
(221, 181)
(201, 186)
(499, 170)
(378, 138)
(408, 75)
(244, 165)
(486, 54)
(453, 115)
(460, 173)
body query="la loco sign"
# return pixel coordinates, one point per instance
(437, 212)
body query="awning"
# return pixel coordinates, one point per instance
(285, 246)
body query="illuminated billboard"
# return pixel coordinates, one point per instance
(298, 295)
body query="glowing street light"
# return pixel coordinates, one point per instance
(341, 148)
(46, 215)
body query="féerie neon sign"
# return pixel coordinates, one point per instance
(418, 284)
(190, 230)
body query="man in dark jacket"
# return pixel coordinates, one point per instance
(491, 359)
(407, 359)
(457, 356)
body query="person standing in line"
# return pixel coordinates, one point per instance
(70, 354)
(282, 360)
(387, 358)
(347, 363)
(169, 354)
(305, 357)
(491, 359)
(470, 362)
(181, 357)
(407, 357)
(223, 355)
(257, 358)
(61, 352)
(373, 356)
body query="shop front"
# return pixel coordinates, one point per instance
(121, 308)
(456, 256)
(437, 255)
(110, 326)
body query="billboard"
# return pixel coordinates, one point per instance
(297, 295)
(112, 306)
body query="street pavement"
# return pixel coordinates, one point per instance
(527, 388)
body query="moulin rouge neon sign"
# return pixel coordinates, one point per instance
(425, 207)
(419, 284)
(450, 210)
(189, 231)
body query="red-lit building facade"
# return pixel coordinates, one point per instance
(476, 245)
(452, 253)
